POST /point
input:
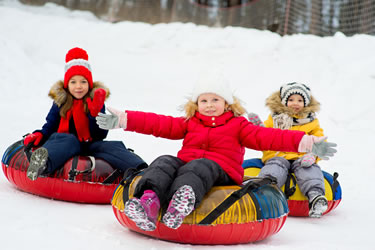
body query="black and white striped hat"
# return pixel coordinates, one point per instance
(295, 88)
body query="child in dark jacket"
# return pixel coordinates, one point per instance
(214, 135)
(71, 128)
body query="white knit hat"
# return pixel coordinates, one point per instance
(212, 82)
(295, 88)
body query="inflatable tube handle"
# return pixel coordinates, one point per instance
(28, 150)
(113, 176)
(129, 175)
(289, 191)
(335, 183)
(93, 164)
(235, 196)
(74, 172)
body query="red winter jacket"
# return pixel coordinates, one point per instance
(219, 138)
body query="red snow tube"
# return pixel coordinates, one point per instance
(79, 180)
(227, 215)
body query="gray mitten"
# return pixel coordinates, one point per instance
(255, 120)
(318, 146)
(116, 119)
(324, 149)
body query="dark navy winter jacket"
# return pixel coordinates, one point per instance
(53, 121)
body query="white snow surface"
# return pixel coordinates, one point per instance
(152, 68)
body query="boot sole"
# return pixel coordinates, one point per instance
(316, 212)
(135, 211)
(37, 164)
(182, 204)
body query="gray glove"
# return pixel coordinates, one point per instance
(324, 149)
(317, 146)
(116, 119)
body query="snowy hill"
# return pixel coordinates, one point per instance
(152, 68)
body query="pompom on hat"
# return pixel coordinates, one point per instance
(76, 63)
(212, 82)
(295, 88)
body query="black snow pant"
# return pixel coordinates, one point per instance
(167, 173)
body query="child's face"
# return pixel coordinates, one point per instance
(295, 102)
(211, 104)
(78, 86)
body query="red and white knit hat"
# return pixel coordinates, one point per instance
(76, 63)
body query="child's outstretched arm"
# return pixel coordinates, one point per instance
(116, 119)
(168, 127)
(260, 138)
(317, 146)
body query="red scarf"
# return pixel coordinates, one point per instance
(81, 121)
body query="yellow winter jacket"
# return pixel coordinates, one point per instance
(312, 128)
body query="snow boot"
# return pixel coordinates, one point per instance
(144, 211)
(180, 206)
(318, 206)
(38, 163)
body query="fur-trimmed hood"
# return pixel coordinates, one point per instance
(59, 94)
(273, 102)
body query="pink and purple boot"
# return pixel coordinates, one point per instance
(180, 206)
(144, 211)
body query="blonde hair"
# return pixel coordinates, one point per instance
(191, 107)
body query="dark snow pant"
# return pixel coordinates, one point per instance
(168, 173)
(308, 178)
(61, 147)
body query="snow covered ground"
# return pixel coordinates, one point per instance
(152, 68)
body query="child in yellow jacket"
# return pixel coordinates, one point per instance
(294, 108)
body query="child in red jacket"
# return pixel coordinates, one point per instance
(215, 135)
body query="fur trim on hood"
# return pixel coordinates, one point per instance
(59, 94)
(273, 102)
